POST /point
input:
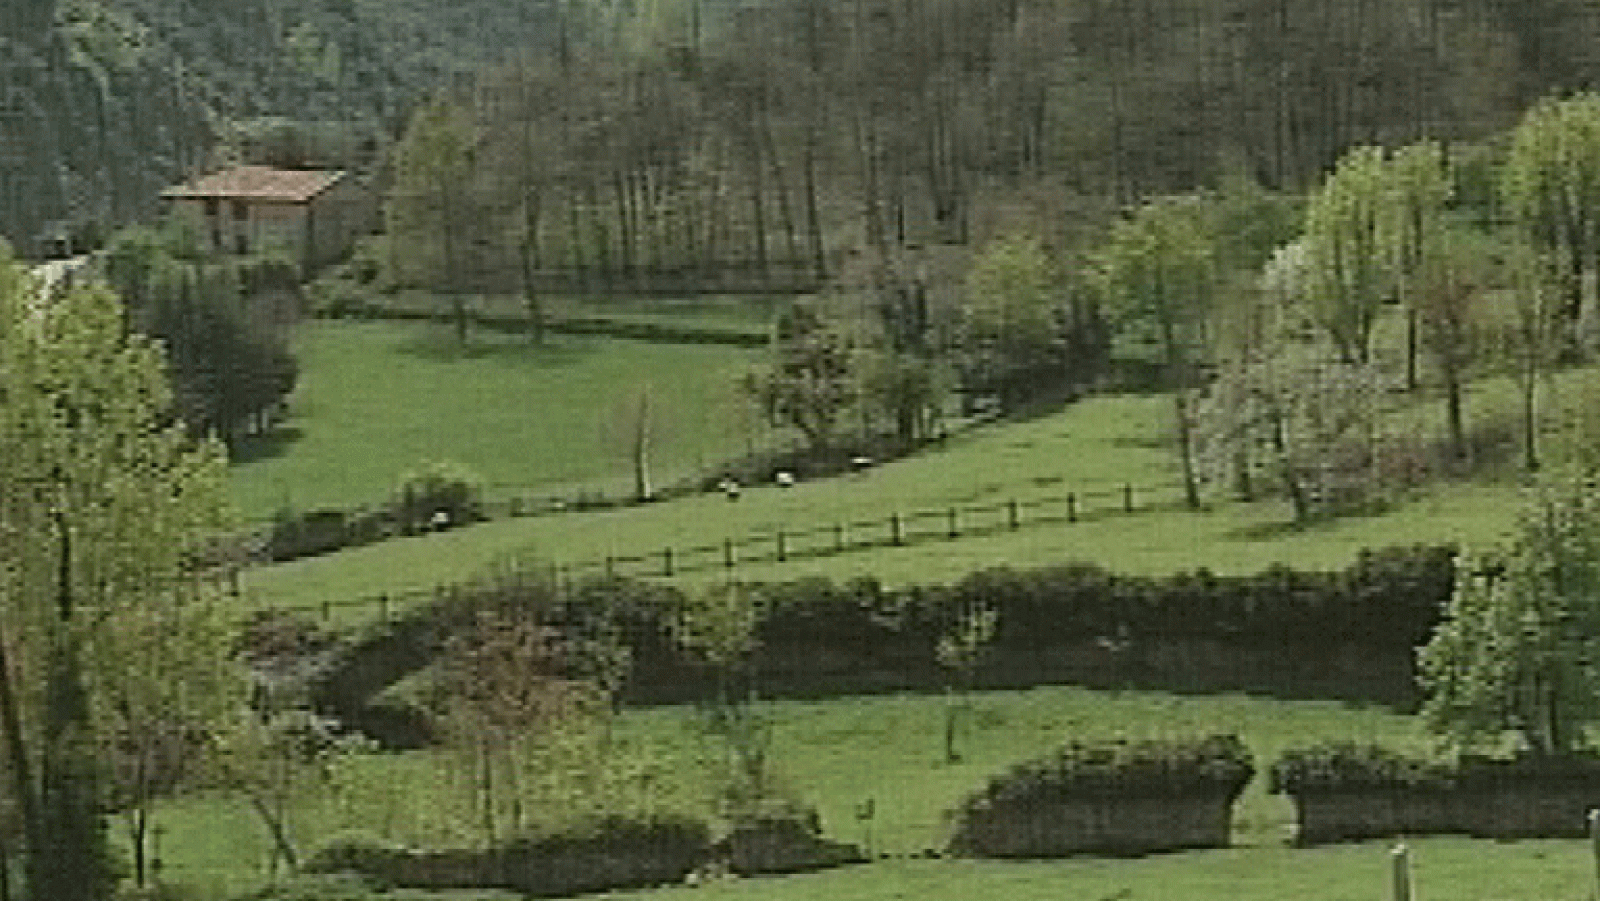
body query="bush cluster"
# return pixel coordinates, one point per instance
(878, 638)
(1343, 766)
(610, 853)
(1216, 765)
(1348, 767)
(433, 498)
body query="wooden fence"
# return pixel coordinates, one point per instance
(782, 545)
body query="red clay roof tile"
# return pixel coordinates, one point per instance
(260, 183)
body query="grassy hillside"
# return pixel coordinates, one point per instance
(377, 399)
(838, 753)
(1092, 448)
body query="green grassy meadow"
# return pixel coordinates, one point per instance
(376, 400)
(1091, 448)
(838, 753)
(752, 314)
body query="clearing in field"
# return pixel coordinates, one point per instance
(1092, 449)
(378, 399)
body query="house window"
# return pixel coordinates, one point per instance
(240, 211)
(211, 206)
(242, 243)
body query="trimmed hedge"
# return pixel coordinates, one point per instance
(1118, 797)
(1334, 767)
(612, 853)
(1347, 635)
(1348, 792)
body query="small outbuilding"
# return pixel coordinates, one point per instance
(313, 215)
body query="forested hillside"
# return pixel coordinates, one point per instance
(105, 102)
(922, 106)
(809, 130)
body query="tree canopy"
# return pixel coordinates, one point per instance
(103, 500)
(1518, 649)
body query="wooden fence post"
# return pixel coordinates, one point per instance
(1400, 862)
(666, 562)
(727, 552)
(955, 529)
(838, 538)
(326, 610)
(783, 547)
(1127, 497)
(1594, 841)
(611, 566)
(1011, 514)
(896, 536)
(1072, 507)
(383, 607)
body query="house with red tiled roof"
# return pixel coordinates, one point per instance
(313, 215)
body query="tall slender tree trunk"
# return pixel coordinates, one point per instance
(781, 186)
(1178, 371)
(642, 489)
(813, 220)
(1411, 347)
(22, 785)
(530, 265)
(1299, 502)
(757, 205)
(620, 193)
(1455, 420)
(1530, 427)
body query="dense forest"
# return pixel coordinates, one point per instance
(801, 132)
(105, 102)
(776, 121)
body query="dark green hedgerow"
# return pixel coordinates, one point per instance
(1348, 767)
(1216, 765)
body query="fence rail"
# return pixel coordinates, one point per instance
(954, 522)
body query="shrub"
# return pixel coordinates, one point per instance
(318, 887)
(1215, 765)
(353, 852)
(307, 534)
(438, 491)
(1116, 797)
(1333, 767)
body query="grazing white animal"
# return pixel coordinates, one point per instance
(785, 479)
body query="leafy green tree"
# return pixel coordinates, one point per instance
(430, 214)
(1284, 403)
(1419, 187)
(718, 626)
(810, 380)
(1550, 185)
(1009, 334)
(1446, 293)
(1345, 251)
(1159, 275)
(1519, 647)
(1529, 341)
(164, 681)
(959, 651)
(101, 499)
(505, 682)
(227, 363)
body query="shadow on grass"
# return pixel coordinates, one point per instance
(437, 344)
(1319, 522)
(274, 443)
